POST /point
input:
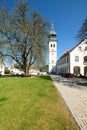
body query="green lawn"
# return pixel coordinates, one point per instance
(32, 104)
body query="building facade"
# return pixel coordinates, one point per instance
(75, 60)
(2, 67)
(52, 42)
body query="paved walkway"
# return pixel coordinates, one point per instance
(76, 100)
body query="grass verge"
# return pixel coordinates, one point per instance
(33, 104)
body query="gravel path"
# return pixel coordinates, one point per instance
(76, 100)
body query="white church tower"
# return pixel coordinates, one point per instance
(52, 41)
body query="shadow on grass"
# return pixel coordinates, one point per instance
(7, 76)
(3, 99)
(46, 77)
(21, 76)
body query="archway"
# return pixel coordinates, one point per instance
(76, 70)
(85, 71)
(85, 59)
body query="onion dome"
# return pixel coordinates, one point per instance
(52, 32)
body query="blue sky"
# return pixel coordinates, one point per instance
(67, 17)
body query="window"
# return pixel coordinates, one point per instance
(52, 66)
(79, 48)
(86, 48)
(54, 45)
(51, 45)
(52, 61)
(76, 58)
(85, 59)
(67, 60)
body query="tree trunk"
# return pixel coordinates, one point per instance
(26, 69)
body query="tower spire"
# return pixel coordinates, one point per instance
(52, 27)
(52, 32)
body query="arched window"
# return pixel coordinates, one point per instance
(85, 59)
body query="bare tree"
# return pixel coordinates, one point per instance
(23, 35)
(83, 31)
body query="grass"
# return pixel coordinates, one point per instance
(33, 104)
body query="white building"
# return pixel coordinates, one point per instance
(2, 67)
(52, 41)
(34, 71)
(75, 60)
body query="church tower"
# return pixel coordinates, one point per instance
(52, 41)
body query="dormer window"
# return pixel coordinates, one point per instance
(79, 48)
(86, 48)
